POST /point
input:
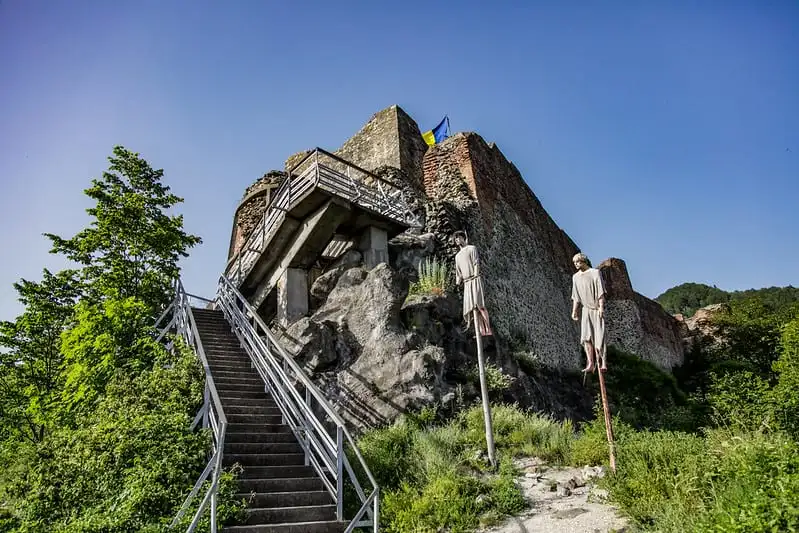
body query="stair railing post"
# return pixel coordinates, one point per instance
(263, 233)
(339, 473)
(316, 171)
(376, 517)
(306, 428)
(206, 401)
(221, 428)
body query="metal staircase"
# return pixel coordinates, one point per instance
(266, 415)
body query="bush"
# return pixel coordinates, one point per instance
(496, 380)
(740, 400)
(641, 394)
(728, 481)
(520, 433)
(127, 467)
(658, 476)
(785, 397)
(591, 445)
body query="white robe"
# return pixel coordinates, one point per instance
(587, 289)
(467, 269)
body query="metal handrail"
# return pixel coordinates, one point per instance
(282, 375)
(211, 413)
(384, 198)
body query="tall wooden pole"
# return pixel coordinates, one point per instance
(484, 390)
(606, 409)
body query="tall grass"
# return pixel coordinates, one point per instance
(435, 476)
(434, 278)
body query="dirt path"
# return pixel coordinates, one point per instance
(562, 500)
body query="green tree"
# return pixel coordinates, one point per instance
(31, 363)
(108, 338)
(132, 246)
(689, 297)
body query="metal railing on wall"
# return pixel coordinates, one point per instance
(337, 177)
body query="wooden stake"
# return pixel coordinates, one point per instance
(606, 409)
(484, 390)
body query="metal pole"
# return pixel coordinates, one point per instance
(608, 422)
(339, 474)
(306, 426)
(484, 390)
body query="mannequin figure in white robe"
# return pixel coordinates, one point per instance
(467, 271)
(588, 296)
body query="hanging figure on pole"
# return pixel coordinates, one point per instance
(588, 293)
(467, 271)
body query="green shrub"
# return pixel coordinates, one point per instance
(641, 394)
(728, 481)
(590, 447)
(497, 381)
(434, 278)
(126, 467)
(658, 476)
(427, 472)
(521, 433)
(740, 400)
(754, 481)
(785, 396)
(449, 500)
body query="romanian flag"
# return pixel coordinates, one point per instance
(437, 134)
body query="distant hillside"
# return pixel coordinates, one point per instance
(689, 297)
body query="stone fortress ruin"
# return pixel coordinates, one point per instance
(326, 247)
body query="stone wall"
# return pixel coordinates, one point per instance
(637, 324)
(390, 138)
(525, 257)
(251, 208)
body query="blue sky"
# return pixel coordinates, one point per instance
(664, 133)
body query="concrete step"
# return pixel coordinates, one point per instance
(235, 418)
(216, 345)
(243, 449)
(240, 427)
(277, 515)
(264, 401)
(256, 473)
(295, 527)
(227, 358)
(236, 364)
(278, 484)
(264, 459)
(232, 398)
(286, 499)
(231, 388)
(212, 325)
(256, 438)
(250, 409)
(235, 352)
(249, 393)
(247, 373)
